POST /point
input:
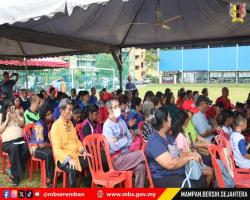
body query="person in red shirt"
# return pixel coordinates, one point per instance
(225, 100)
(214, 111)
(181, 99)
(103, 113)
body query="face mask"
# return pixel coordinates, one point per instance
(127, 110)
(117, 112)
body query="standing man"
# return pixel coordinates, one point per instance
(52, 100)
(130, 86)
(93, 98)
(74, 99)
(7, 84)
(25, 102)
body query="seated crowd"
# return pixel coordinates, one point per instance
(175, 132)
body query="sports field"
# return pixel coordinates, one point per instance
(237, 92)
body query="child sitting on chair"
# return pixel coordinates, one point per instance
(239, 144)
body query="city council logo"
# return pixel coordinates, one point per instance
(238, 12)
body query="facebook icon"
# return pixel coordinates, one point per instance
(6, 194)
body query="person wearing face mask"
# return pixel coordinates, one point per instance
(166, 161)
(120, 139)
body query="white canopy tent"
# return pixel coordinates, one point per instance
(47, 27)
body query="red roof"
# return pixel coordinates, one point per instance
(33, 64)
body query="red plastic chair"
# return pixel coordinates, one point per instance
(151, 183)
(93, 145)
(4, 156)
(140, 125)
(28, 131)
(213, 150)
(224, 143)
(79, 130)
(1, 147)
(241, 180)
(220, 131)
(57, 170)
(4, 159)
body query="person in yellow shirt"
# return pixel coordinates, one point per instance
(67, 148)
(63, 86)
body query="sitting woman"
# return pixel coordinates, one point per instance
(147, 111)
(13, 142)
(166, 161)
(18, 106)
(39, 143)
(170, 105)
(183, 142)
(91, 124)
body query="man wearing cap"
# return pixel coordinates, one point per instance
(7, 84)
(130, 86)
(200, 121)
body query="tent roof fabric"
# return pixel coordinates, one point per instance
(33, 64)
(38, 28)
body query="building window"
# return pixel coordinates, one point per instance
(142, 65)
(137, 67)
(137, 57)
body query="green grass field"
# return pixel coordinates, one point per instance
(238, 92)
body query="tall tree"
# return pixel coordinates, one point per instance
(151, 59)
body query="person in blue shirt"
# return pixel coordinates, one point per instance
(39, 142)
(135, 112)
(52, 100)
(130, 86)
(93, 98)
(84, 99)
(120, 140)
(166, 161)
(239, 144)
(125, 111)
(74, 99)
(60, 96)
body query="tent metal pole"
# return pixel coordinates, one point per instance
(117, 55)
(72, 77)
(182, 66)
(208, 64)
(26, 73)
(237, 63)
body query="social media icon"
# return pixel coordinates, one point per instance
(37, 194)
(21, 193)
(29, 194)
(13, 194)
(6, 194)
